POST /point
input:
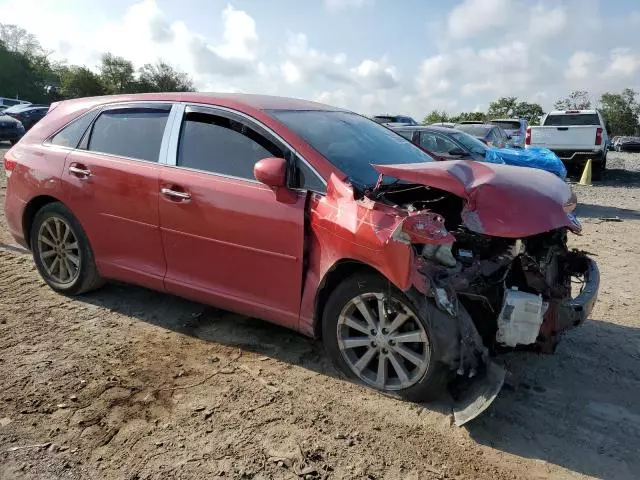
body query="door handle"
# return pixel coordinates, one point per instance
(80, 172)
(173, 194)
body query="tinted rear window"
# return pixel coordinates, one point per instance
(384, 119)
(507, 124)
(571, 119)
(130, 132)
(70, 135)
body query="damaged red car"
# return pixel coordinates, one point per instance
(413, 272)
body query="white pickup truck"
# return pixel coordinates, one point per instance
(575, 136)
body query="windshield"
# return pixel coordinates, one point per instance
(475, 130)
(351, 143)
(507, 124)
(471, 143)
(572, 119)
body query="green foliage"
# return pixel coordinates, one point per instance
(435, 117)
(509, 107)
(577, 100)
(117, 74)
(621, 112)
(27, 73)
(79, 82)
(161, 77)
(468, 116)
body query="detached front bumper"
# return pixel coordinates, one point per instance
(569, 313)
(575, 311)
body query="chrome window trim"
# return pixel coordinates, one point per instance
(165, 147)
(212, 109)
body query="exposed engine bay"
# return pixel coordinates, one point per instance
(506, 293)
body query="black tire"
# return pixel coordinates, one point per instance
(432, 383)
(598, 169)
(87, 278)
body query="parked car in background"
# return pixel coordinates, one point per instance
(444, 143)
(312, 217)
(453, 144)
(394, 120)
(11, 130)
(471, 122)
(10, 102)
(628, 144)
(28, 115)
(515, 129)
(492, 135)
(443, 124)
(575, 136)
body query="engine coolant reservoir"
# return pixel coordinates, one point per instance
(520, 318)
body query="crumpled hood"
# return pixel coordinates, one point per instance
(500, 200)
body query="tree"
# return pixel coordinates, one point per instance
(577, 100)
(504, 107)
(17, 39)
(468, 116)
(509, 107)
(435, 117)
(24, 77)
(161, 77)
(79, 82)
(621, 111)
(116, 74)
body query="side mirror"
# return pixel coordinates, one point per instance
(457, 152)
(272, 172)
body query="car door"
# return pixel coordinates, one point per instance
(111, 184)
(228, 241)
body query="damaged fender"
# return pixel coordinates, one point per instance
(500, 200)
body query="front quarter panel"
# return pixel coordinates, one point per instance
(342, 228)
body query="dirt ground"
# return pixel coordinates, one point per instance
(127, 383)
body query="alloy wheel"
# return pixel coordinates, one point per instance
(59, 250)
(383, 342)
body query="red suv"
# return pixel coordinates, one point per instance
(315, 218)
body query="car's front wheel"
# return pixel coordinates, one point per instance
(62, 252)
(373, 334)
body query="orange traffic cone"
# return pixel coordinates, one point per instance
(585, 179)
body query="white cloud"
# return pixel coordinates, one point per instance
(304, 63)
(580, 66)
(624, 63)
(545, 23)
(336, 5)
(472, 17)
(377, 74)
(290, 72)
(241, 39)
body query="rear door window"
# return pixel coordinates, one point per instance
(133, 132)
(571, 119)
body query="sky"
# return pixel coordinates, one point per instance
(371, 56)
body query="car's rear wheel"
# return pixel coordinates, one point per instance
(373, 334)
(62, 252)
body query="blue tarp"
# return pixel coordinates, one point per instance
(533, 157)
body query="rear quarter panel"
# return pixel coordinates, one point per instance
(37, 173)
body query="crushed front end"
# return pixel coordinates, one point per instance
(506, 286)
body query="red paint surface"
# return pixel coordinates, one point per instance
(501, 200)
(237, 244)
